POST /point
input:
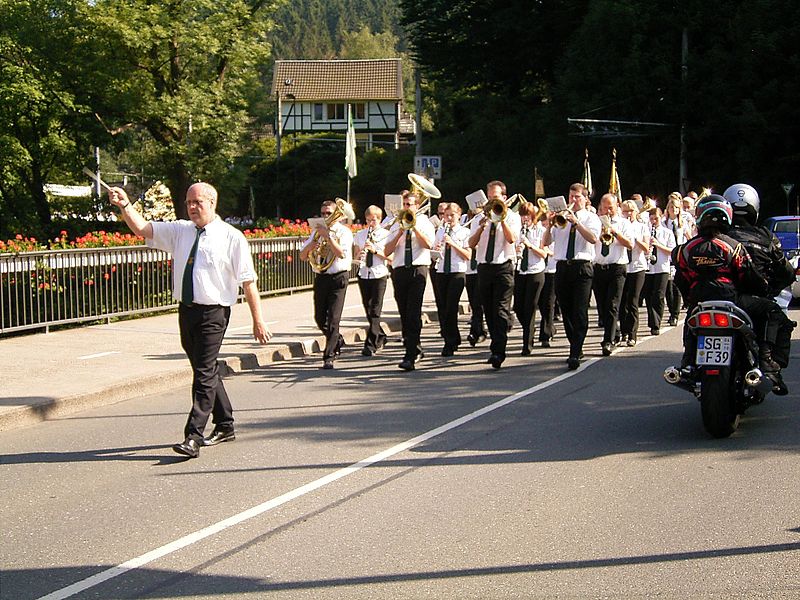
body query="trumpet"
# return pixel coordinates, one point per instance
(322, 257)
(560, 219)
(606, 235)
(424, 190)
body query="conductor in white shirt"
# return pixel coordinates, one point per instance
(211, 259)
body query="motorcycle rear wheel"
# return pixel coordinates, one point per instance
(720, 417)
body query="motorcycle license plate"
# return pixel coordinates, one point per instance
(714, 350)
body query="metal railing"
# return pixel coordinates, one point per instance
(39, 290)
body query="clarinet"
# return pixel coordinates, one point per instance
(653, 249)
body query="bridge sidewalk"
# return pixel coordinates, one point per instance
(48, 375)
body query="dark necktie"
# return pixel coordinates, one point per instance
(447, 256)
(525, 263)
(571, 243)
(408, 257)
(675, 231)
(473, 261)
(187, 287)
(489, 258)
(604, 249)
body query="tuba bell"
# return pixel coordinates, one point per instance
(323, 257)
(424, 190)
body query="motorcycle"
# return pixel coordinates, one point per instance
(724, 375)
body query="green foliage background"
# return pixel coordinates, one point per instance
(500, 78)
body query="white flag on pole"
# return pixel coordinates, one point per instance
(350, 150)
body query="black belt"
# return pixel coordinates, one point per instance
(200, 306)
(611, 266)
(573, 261)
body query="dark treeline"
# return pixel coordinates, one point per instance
(181, 91)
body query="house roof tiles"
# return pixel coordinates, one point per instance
(345, 80)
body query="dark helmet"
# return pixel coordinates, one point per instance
(714, 211)
(745, 202)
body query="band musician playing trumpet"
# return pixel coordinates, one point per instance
(329, 250)
(495, 239)
(574, 251)
(611, 257)
(410, 239)
(369, 244)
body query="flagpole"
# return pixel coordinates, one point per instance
(347, 145)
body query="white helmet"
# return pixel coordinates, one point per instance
(744, 200)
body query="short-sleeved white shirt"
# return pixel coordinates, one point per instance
(344, 237)
(222, 263)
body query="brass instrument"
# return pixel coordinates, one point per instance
(560, 219)
(424, 190)
(606, 236)
(497, 210)
(322, 257)
(706, 191)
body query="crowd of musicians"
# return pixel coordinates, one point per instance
(531, 263)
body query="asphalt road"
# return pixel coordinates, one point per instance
(590, 484)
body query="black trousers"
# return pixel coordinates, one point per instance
(655, 287)
(608, 282)
(409, 291)
(476, 326)
(527, 289)
(547, 308)
(372, 292)
(496, 288)
(202, 328)
(673, 298)
(629, 306)
(329, 293)
(574, 290)
(448, 298)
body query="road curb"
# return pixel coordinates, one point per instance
(51, 408)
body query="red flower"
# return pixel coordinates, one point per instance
(289, 258)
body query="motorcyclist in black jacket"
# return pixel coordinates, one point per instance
(768, 259)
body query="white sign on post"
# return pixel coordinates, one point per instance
(428, 165)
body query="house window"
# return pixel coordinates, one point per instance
(358, 111)
(335, 112)
(318, 112)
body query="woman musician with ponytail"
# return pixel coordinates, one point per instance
(662, 241)
(529, 276)
(451, 245)
(373, 273)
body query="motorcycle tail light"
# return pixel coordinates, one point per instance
(736, 322)
(721, 320)
(705, 319)
(692, 321)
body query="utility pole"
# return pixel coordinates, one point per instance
(418, 117)
(683, 170)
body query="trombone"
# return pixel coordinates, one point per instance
(497, 210)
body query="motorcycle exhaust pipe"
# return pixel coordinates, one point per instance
(755, 378)
(672, 375)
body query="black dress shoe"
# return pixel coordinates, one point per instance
(189, 447)
(545, 343)
(495, 361)
(217, 437)
(606, 348)
(407, 364)
(327, 364)
(367, 352)
(471, 339)
(448, 351)
(673, 322)
(573, 363)
(525, 352)
(654, 331)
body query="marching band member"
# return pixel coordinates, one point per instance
(477, 327)
(495, 243)
(529, 278)
(678, 222)
(662, 241)
(574, 251)
(369, 244)
(410, 264)
(547, 298)
(437, 221)
(635, 273)
(330, 285)
(452, 244)
(610, 264)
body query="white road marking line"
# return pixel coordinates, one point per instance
(98, 355)
(193, 538)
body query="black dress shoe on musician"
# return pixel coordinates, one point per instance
(471, 339)
(367, 352)
(495, 361)
(526, 352)
(327, 364)
(407, 364)
(606, 348)
(219, 436)
(573, 363)
(545, 343)
(448, 351)
(673, 321)
(189, 447)
(654, 331)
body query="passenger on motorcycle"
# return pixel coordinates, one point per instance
(714, 266)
